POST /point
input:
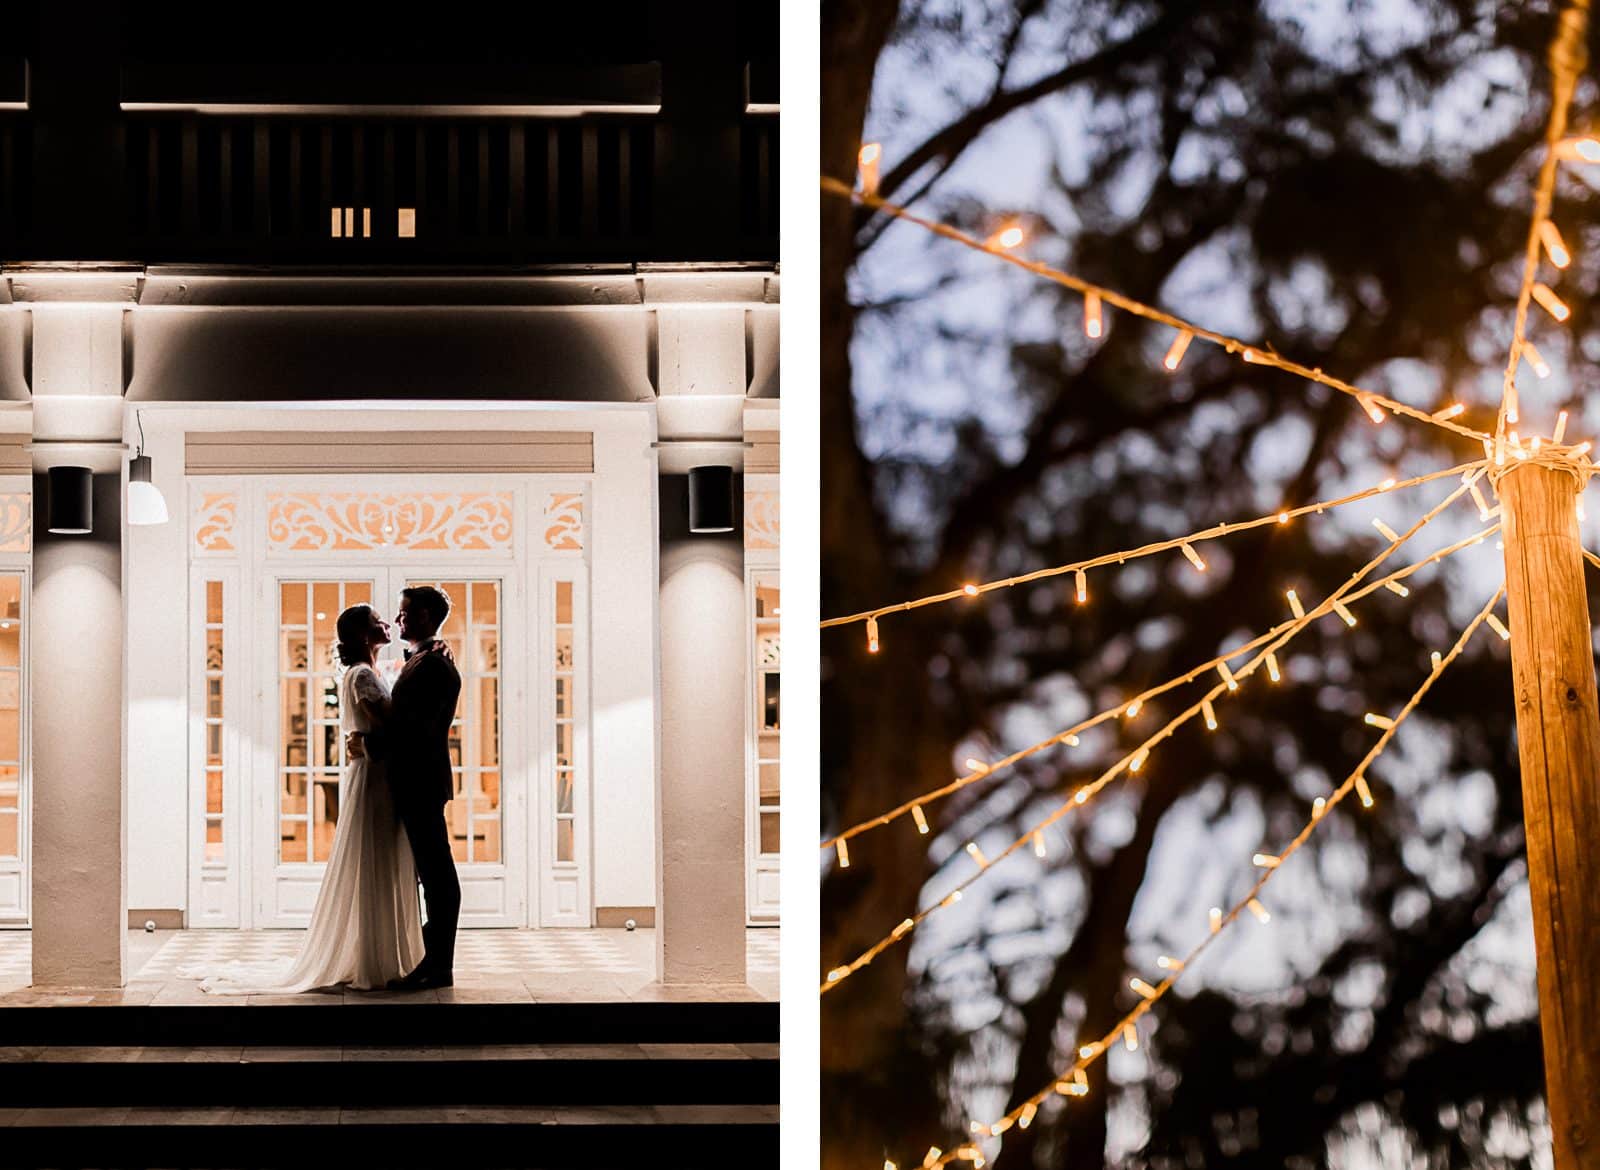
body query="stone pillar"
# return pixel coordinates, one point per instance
(79, 813)
(700, 916)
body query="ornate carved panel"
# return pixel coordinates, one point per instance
(215, 521)
(16, 522)
(361, 521)
(761, 520)
(563, 521)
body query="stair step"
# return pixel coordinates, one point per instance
(457, 1075)
(596, 1138)
(378, 1023)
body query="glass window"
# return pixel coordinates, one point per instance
(767, 645)
(215, 699)
(564, 754)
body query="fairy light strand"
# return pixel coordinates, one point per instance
(917, 805)
(837, 975)
(1227, 528)
(1065, 1082)
(1255, 354)
(1566, 60)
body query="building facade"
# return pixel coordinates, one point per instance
(375, 325)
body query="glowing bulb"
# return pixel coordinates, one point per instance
(1363, 791)
(1026, 1119)
(872, 635)
(1540, 367)
(1437, 659)
(1340, 609)
(1283, 517)
(1317, 807)
(1454, 410)
(1550, 236)
(1294, 604)
(1397, 588)
(1253, 356)
(867, 162)
(970, 589)
(1259, 910)
(1477, 498)
(974, 764)
(1371, 407)
(1227, 676)
(1588, 149)
(922, 821)
(1168, 963)
(837, 974)
(1130, 1037)
(1194, 557)
(1215, 917)
(933, 1155)
(1006, 237)
(1090, 1051)
(1551, 303)
(1498, 627)
(1179, 347)
(1143, 988)
(1561, 427)
(1266, 861)
(1082, 581)
(1081, 796)
(977, 855)
(844, 853)
(1139, 757)
(1093, 320)
(1133, 708)
(1272, 667)
(1069, 739)
(1582, 448)
(1210, 713)
(1038, 844)
(1388, 533)
(1382, 721)
(904, 928)
(1386, 483)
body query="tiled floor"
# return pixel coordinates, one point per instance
(517, 964)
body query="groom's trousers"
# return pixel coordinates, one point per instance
(436, 870)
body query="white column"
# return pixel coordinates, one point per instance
(79, 859)
(700, 923)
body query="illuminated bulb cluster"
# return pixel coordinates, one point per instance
(867, 162)
(1093, 316)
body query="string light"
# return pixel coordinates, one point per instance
(1143, 988)
(1260, 911)
(1388, 533)
(1294, 603)
(1454, 410)
(1549, 302)
(1477, 498)
(973, 764)
(1540, 366)
(1318, 806)
(1168, 963)
(867, 162)
(1369, 405)
(1561, 427)
(1344, 613)
(1179, 347)
(1083, 586)
(1093, 323)
(1511, 404)
(1272, 667)
(1130, 1037)
(1210, 714)
(1433, 657)
(1361, 784)
(1380, 721)
(1498, 627)
(1265, 861)
(872, 635)
(922, 821)
(1227, 676)
(1554, 244)
(977, 855)
(1253, 356)
(1194, 557)
(970, 590)
(1396, 588)
(1133, 708)
(844, 853)
(1038, 846)
(1111, 297)
(1139, 757)
(1215, 917)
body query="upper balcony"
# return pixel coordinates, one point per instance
(105, 157)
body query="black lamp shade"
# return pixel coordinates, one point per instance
(711, 499)
(71, 501)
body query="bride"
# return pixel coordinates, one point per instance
(365, 927)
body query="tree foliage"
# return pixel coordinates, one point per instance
(1350, 181)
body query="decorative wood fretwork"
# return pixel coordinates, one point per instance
(16, 522)
(215, 520)
(356, 521)
(760, 520)
(563, 521)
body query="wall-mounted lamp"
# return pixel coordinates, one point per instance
(146, 504)
(71, 508)
(711, 499)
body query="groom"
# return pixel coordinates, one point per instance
(416, 742)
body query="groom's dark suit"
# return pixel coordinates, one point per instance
(416, 744)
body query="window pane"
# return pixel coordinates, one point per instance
(488, 721)
(358, 593)
(766, 601)
(10, 724)
(292, 599)
(10, 838)
(769, 701)
(324, 616)
(486, 840)
(563, 603)
(453, 626)
(10, 641)
(564, 841)
(214, 745)
(292, 841)
(292, 796)
(214, 792)
(563, 745)
(213, 602)
(564, 649)
(769, 832)
(769, 783)
(213, 698)
(294, 722)
(563, 698)
(326, 808)
(563, 792)
(485, 605)
(213, 840)
(456, 817)
(485, 652)
(213, 649)
(10, 789)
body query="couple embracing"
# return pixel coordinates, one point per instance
(365, 930)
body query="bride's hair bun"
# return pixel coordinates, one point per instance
(352, 628)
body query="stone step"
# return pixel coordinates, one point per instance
(358, 1076)
(380, 1021)
(543, 1138)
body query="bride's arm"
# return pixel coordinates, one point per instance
(373, 700)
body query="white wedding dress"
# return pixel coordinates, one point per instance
(366, 928)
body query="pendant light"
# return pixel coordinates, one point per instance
(146, 504)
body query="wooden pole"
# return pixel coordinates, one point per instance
(1558, 737)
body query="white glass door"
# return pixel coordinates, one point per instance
(303, 725)
(762, 776)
